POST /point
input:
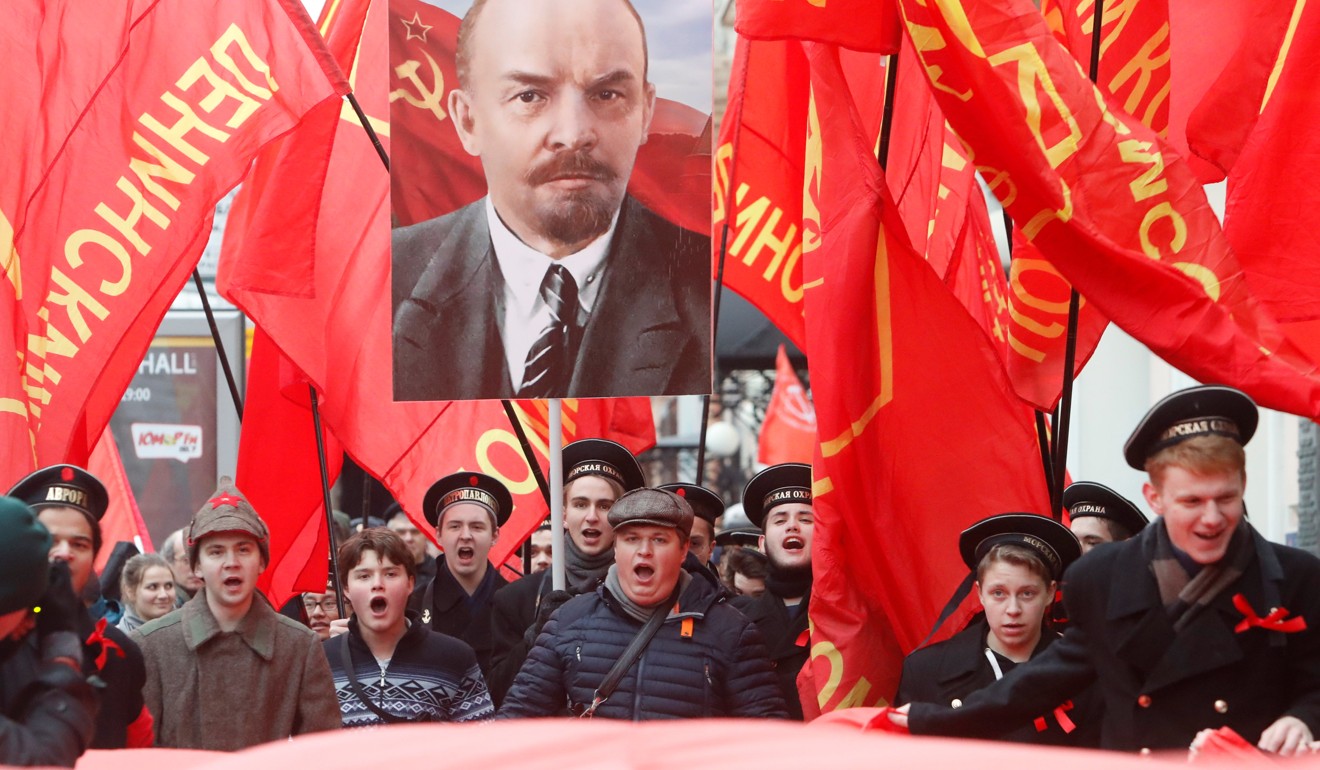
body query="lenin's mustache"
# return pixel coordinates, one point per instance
(570, 164)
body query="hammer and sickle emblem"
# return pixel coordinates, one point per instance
(426, 99)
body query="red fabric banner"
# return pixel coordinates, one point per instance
(899, 416)
(1273, 207)
(336, 328)
(279, 472)
(788, 432)
(124, 124)
(434, 175)
(1124, 221)
(122, 520)
(862, 25)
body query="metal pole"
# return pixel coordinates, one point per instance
(558, 579)
(325, 500)
(219, 345)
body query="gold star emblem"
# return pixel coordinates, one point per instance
(416, 29)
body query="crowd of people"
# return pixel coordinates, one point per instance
(1165, 630)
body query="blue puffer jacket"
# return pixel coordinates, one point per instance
(715, 666)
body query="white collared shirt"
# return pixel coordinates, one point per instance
(524, 268)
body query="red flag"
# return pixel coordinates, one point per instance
(335, 327)
(1272, 215)
(279, 471)
(900, 417)
(788, 433)
(1125, 222)
(122, 520)
(862, 25)
(671, 175)
(124, 126)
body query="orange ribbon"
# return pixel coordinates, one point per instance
(1277, 620)
(98, 637)
(1060, 716)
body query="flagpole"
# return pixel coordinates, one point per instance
(719, 268)
(219, 346)
(557, 576)
(526, 445)
(366, 125)
(887, 116)
(1074, 307)
(325, 499)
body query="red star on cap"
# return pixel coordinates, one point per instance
(66, 474)
(681, 492)
(472, 480)
(224, 499)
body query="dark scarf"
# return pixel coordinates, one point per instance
(636, 611)
(1183, 595)
(582, 572)
(788, 583)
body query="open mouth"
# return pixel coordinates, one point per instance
(466, 552)
(591, 533)
(379, 605)
(644, 571)
(794, 543)
(233, 582)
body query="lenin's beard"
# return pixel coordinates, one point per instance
(578, 215)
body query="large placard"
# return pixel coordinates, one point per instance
(550, 190)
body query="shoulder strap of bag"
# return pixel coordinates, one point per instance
(346, 660)
(631, 653)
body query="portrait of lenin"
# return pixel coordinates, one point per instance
(558, 282)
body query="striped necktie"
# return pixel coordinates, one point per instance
(549, 362)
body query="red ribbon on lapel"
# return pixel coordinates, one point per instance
(98, 637)
(1059, 714)
(1277, 620)
(804, 638)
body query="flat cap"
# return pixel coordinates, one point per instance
(655, 507)
(705, 503)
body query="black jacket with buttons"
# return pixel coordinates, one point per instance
(707, 660)
(1160, 687)
(948, 672)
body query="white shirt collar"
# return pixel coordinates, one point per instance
(523, 267)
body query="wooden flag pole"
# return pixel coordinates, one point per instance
(219, 346)
(325, 499)
(1074, 307)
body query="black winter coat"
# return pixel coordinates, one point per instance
(948, 672)
(447, 612)
(785, 639)
(1160, 687)
(713, 666)
(48, 719)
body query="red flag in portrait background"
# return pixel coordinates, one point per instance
(122, 520)
(862, 25)
(124, 124)
(1126, 223)
(788, 432)
(434, 175)
(910, 395)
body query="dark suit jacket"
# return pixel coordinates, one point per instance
(1159, 687)
(648, 333)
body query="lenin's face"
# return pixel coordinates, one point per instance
(556, 105)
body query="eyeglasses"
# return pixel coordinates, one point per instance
(327, 605)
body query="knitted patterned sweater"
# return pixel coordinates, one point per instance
(431, 677)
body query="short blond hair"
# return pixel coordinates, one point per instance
(1203, 455)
